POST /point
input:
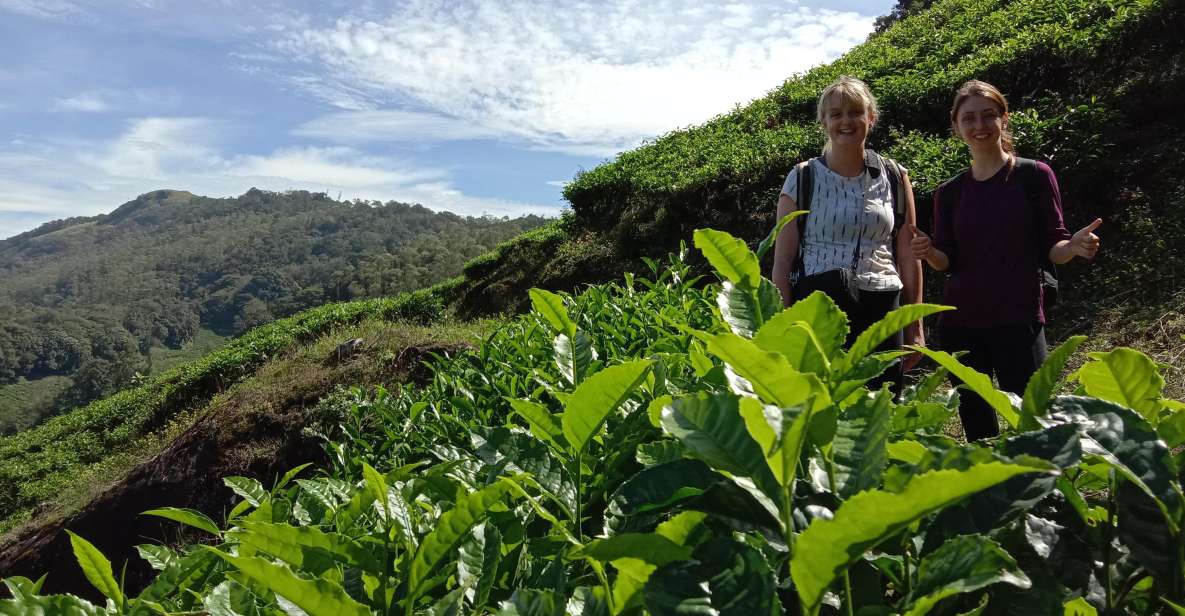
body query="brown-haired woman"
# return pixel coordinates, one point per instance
(994, 226)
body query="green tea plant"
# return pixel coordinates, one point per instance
(661, 447)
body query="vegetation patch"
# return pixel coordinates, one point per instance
(259, 428)
(37, 464)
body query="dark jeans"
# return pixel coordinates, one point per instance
(1011, 353)
(872, 307)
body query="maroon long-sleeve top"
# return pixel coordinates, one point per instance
(995, 236)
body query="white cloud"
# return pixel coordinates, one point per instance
(590, 78)
(43, 180)
(393, 125)
(130, 100)
(87, 102)
(44, 9)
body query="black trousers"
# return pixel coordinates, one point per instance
(870, 308)
(1011, 353)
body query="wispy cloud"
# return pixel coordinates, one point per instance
(57, 179)
(43, 9)
(394, 125)
(86, 102)
(592, 78)
(130, 100)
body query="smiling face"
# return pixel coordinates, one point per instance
(846, 121)
(980, 123)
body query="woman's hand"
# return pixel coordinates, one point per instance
(1085, 243)
(923, 248)
(920, 243)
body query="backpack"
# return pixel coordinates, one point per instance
(1030, 178)
(877, 164)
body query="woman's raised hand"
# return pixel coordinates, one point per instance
(920, 243)
(1085, 243)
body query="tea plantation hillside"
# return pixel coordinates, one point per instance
(1096, 88)
(631, 449)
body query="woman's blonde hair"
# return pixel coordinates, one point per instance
(849, 90)
(976, 87)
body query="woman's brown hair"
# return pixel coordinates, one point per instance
(976, 87)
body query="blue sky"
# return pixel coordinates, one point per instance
(476, 108)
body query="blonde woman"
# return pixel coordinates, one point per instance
(996, 227)
(848, 246)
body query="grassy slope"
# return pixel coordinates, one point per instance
(725, 174)
(299, 372)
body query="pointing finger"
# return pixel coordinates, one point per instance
(1094, 225)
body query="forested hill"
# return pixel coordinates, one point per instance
(90, 298)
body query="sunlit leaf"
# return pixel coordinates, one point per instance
(730, 257)
(317, 597)
(551, 307)
(542, 423)
(189, 517)
(250, 489)
(452, 527)
(573, 356)
(746, 310)
(878, 332)
(96, 568)
(796, 341)
(769, 240)
(770, 374)
(597, 397)
(823, 316)
(780, 433)
(1079, 607)
(1124, 376)
(712, 429)
(296, 545)
(1043, 384)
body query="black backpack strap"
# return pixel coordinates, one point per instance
(1031, 179)
(804, 190)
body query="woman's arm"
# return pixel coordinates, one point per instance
(908, 265)
(910, 270)
(924, 249)
(785, 249)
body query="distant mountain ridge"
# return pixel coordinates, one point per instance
(88, 297)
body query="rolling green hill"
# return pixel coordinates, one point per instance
(99, 300)
(1094, 86)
